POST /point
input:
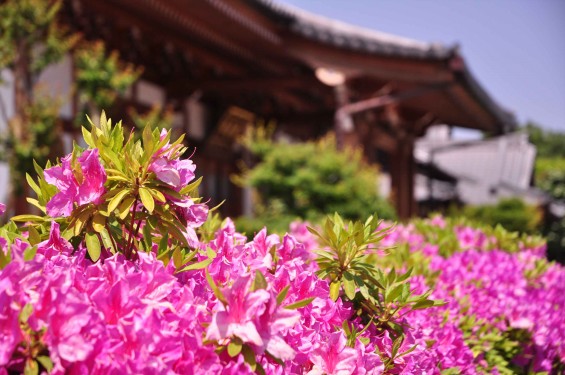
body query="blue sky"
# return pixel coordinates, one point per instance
(515, 48)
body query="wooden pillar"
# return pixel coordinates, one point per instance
(402, 177)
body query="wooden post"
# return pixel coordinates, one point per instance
(402, 176)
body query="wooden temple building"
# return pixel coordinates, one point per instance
(223, 64)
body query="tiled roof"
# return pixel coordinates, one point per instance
(347, 36)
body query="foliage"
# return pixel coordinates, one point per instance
(126, 256)
(550, 172)
(550, 177)
(504, 305)
(379, 298)
(30, 28)
(307, 180)
(30, 40)
(511, 213)
(157, 117)
(101, 76)
(137, 189)
(549, 144)
(125, 272)
(36, 143)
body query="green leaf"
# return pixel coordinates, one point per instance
(234, 347)
(334, 290)
(423, 304)
(33, 185)
(31, 367)
(148, 141)
(125, 207)
(259, 282)
(36, 203)
(189, 188)
(345, 327)
(107, 240)
(34, 236)
(157, 195)
(87, 137)
(392, 294)
(249, 357)
(299, 304)
(396, 345)
(147, 199)
(412, 348)
(177, 258)
(196, 266)
(348, 285)
(29, 253)
(391, 278)
(282, 294)
(163, 244)
(26, 312)
(117, 199)
(93, 246)
(98, 222)
(405, 276)
(176, 232)
(46, 362)
(30, 218)
(217, 292)
(211, 253)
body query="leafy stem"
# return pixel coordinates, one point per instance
(131, 229)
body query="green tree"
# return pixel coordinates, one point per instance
(156, 117)
(308, 180)
(548, 143)
(100, 77)
(30, 40)
(550, 177)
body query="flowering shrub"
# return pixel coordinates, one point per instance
(128, 271)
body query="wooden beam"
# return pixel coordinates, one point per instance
(388, 99)
(150, 29)
(383, 140)
(385, 68)
(245, 83)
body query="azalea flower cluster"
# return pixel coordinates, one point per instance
(121, 316)
(114, 278)
(504, 311)
(118, 277)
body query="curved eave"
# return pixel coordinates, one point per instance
(505, 119)
(346, 36)
(475, 103)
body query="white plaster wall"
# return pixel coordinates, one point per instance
(149, 93)
(197, 115)
(57, 81)
(7, 98)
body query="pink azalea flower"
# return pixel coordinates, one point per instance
(332, 357)
(177, 173)
(83, 188)
(171, 170)
(195, 215)
(3, 246)
(237, 318)
(2, 208)
(272, 325)
(55, 244)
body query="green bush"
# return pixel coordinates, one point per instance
(512, 213)
(550, 177)
(308, 180)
